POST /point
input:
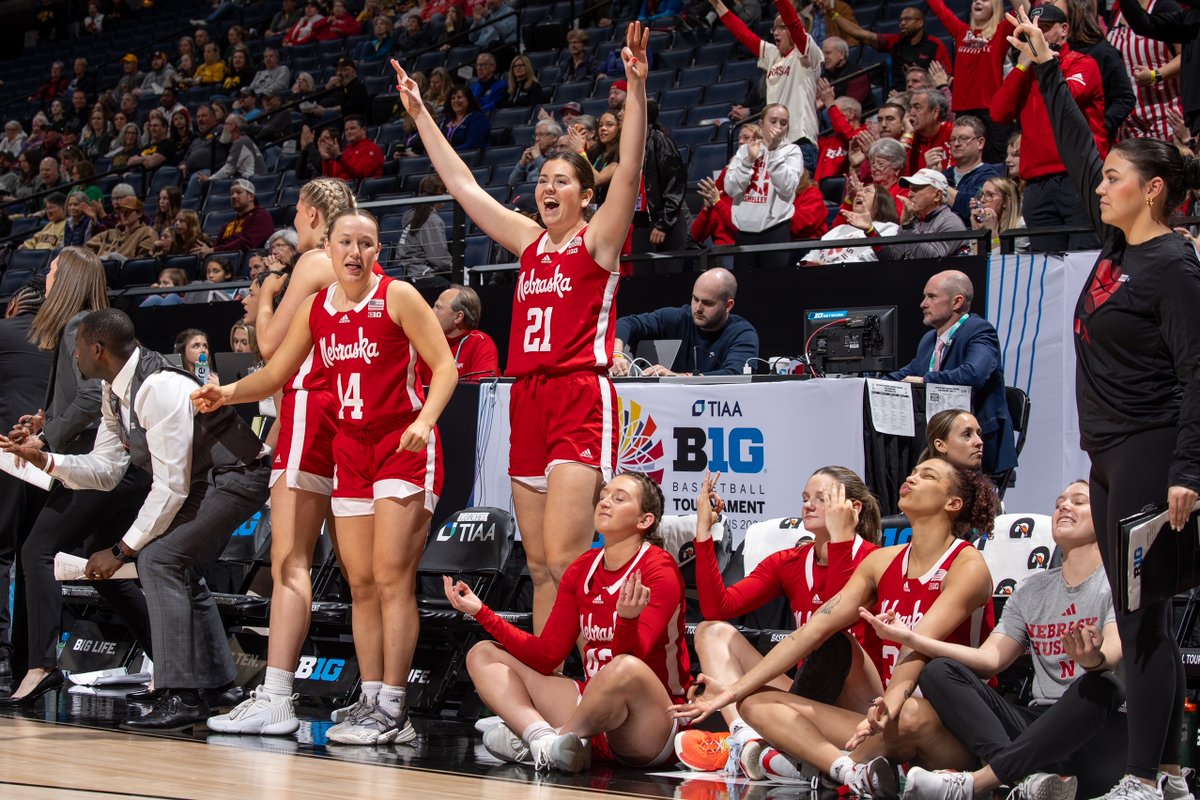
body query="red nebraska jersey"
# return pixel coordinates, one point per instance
(911, 598)
(369, 360)
(564, 311)
(587, 603)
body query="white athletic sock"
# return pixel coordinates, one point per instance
(391, 700)
(370, 690)
(741, 733)
(840, 770)
(278, 682)
(537, 730)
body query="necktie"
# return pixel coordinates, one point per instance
(114, 405)
(938, 350)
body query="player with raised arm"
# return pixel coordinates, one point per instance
(939, 585)
(563, 410)
(367, 331)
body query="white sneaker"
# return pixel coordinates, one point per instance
(875, 779)
(501, 742)
(340, 715)
(943, 784)
(263, 713)
(748, 757)
(1046, 786)
(369, 725)
(1130, 788)
(1175, 787)
(779, 767)
(483, 723)
(565, 752)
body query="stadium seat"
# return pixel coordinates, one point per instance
(217, 202)
(659, 81)
(509, 117)
(717, 53)
(572, 92)
(502, 158)
(548, 76)
(833, 189)
(683, 97)
(700, 75)
(215, 221)
(691, 137)
(732, 92)
(460, 56)
(373, 187)
(708, 160)
(675, 59)
(190, 265)
(32, 261)
(594, 105)
(741, 70)
(697, 114)
(139, 272)
(12, 280)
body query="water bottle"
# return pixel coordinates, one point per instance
(1187, 753)
(202, 368)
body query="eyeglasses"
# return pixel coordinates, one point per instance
(990, 195)
(963, 139)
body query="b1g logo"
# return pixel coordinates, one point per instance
(1021, 529)
(1139, 555)
(736, 450)
(313, 668)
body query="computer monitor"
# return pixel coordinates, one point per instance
(846, 340)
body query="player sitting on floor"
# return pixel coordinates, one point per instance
(843, 518)
(939, 584)
(626, 600)
(1064, 617)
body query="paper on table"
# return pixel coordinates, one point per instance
(941, 397)
(27, 473)
(70, 568)
(891, 407)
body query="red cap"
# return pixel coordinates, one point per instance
(622, 85)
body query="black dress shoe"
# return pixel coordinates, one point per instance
(170, 713)
(145, 697)
(225, 698)
(52, 681)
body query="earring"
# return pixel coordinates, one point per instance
(1149, 202)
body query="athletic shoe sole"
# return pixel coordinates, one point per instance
(254, 727)
(750, 760)
(569, 753)
(1056, 788)
(680, 738)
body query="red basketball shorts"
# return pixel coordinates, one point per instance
(304, 453)
(560, 419)
(369, 468)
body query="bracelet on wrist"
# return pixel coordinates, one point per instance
(1097, 665)
(1022, 67)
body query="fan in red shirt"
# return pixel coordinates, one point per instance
(939, 584)
(930, 129)
(979, 51)
(843, 518)
(458, 310)
(912, 45)
(1050, 198)
(361, 158)
(845, 117)
(626, 601)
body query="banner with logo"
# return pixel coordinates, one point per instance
(765, 439)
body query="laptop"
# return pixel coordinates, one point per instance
(658, 351)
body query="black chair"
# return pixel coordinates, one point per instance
(473, 546)
(1018, 409)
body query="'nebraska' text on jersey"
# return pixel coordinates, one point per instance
(564, 311)
(368, 359)
(911, 599)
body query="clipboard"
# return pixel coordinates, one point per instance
(1155, 562)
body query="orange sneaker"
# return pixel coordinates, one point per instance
(702, 751)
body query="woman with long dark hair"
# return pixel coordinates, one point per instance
(1137, 384)
(75, 286)
(422, 247)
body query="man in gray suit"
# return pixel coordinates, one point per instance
(194, 505)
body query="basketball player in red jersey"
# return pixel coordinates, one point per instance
(365, 328)
(626, 601)
(844, 520)
(563, 411)
(939, 585)
(302, 473)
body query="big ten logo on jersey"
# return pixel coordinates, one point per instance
(470, 526)
(248, 527)
(573, 246)
(719, 448)
(375, 307)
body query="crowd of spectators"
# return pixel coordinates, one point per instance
(820, 140)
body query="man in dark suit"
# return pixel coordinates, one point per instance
(964, 350)
(24, 373)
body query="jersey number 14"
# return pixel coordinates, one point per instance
(350, 396)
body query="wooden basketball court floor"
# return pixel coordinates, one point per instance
(68, 746)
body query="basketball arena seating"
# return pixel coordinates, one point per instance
(697, 73)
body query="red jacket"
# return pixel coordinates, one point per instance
(716, 222)
(920, 145)
(342, 27)
(1020, 95)
(978, 62)
(811, 218)
(833, 150)
(248, 231)
(363, 159)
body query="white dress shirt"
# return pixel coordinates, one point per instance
(165, 411)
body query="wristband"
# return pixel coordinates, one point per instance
(49, 468)
(582, 153)
(1097, 666)
(1022, 67)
